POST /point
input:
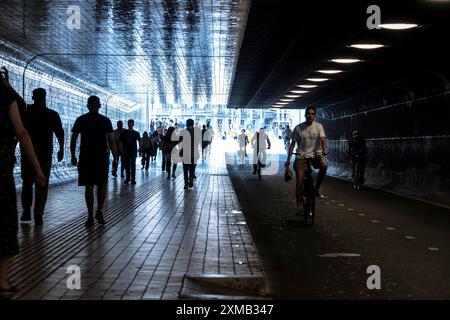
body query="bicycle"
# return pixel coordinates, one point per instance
(357, 179)
(308, 192)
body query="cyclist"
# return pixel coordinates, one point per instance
(357, 148)
(311, 143)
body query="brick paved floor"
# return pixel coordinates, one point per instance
(156, 232)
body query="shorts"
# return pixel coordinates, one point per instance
(93, 171)
(316, 162)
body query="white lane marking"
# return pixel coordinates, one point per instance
(433, 249)
(390, 228)
(410, 237)
(339, 254)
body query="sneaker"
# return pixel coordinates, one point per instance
(318, 194)
(191, 183)
(26, 216)
(133, 182)
(127, 181)
(90, 222)
(186, 187)
(99, 217)
(174, 176)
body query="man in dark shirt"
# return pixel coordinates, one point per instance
(96, 131)
(41, 123)
(129, 139)
(191, 139)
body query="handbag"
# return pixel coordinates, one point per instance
(288, 174)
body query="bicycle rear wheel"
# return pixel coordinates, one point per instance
(356, 179)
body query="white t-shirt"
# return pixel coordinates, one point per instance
(307, 138)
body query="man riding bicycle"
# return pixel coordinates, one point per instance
(311, 141)
(357, 152)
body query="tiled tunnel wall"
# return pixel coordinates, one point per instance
(67, 96)
(407, 128)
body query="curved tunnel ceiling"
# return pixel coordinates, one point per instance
(171, 51)
(286, 42)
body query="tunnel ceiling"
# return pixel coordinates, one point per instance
(286, 42)
(176, 51)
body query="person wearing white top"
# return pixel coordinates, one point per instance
(243, 141)
(260, 144)
(311, 142)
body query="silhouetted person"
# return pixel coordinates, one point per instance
(260, 144)
(146, 150)
(205, 142)
(357, 149)
(11, 129)
(155, 141)
(41, 123)
(95, 130)
(170, 141)
(191, 140)
(243, 141)
(119, 146)
(130, 139)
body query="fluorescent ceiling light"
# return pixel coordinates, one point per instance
(287, 100)
(366, 46)
(292, 96)
(282, 103)
(398, 26)
(345, 60)
(300, 91)
(317, 79)
(329, 71)
(277, 106)
(307, 86)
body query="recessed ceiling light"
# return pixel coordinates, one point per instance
(287, 100)
(329, 71)
(292, 96)
(345, 60)
(317, 79)
(398, 26)
(366, 46)
(299, 91)
(307, 86)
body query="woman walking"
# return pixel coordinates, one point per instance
(11, 127)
